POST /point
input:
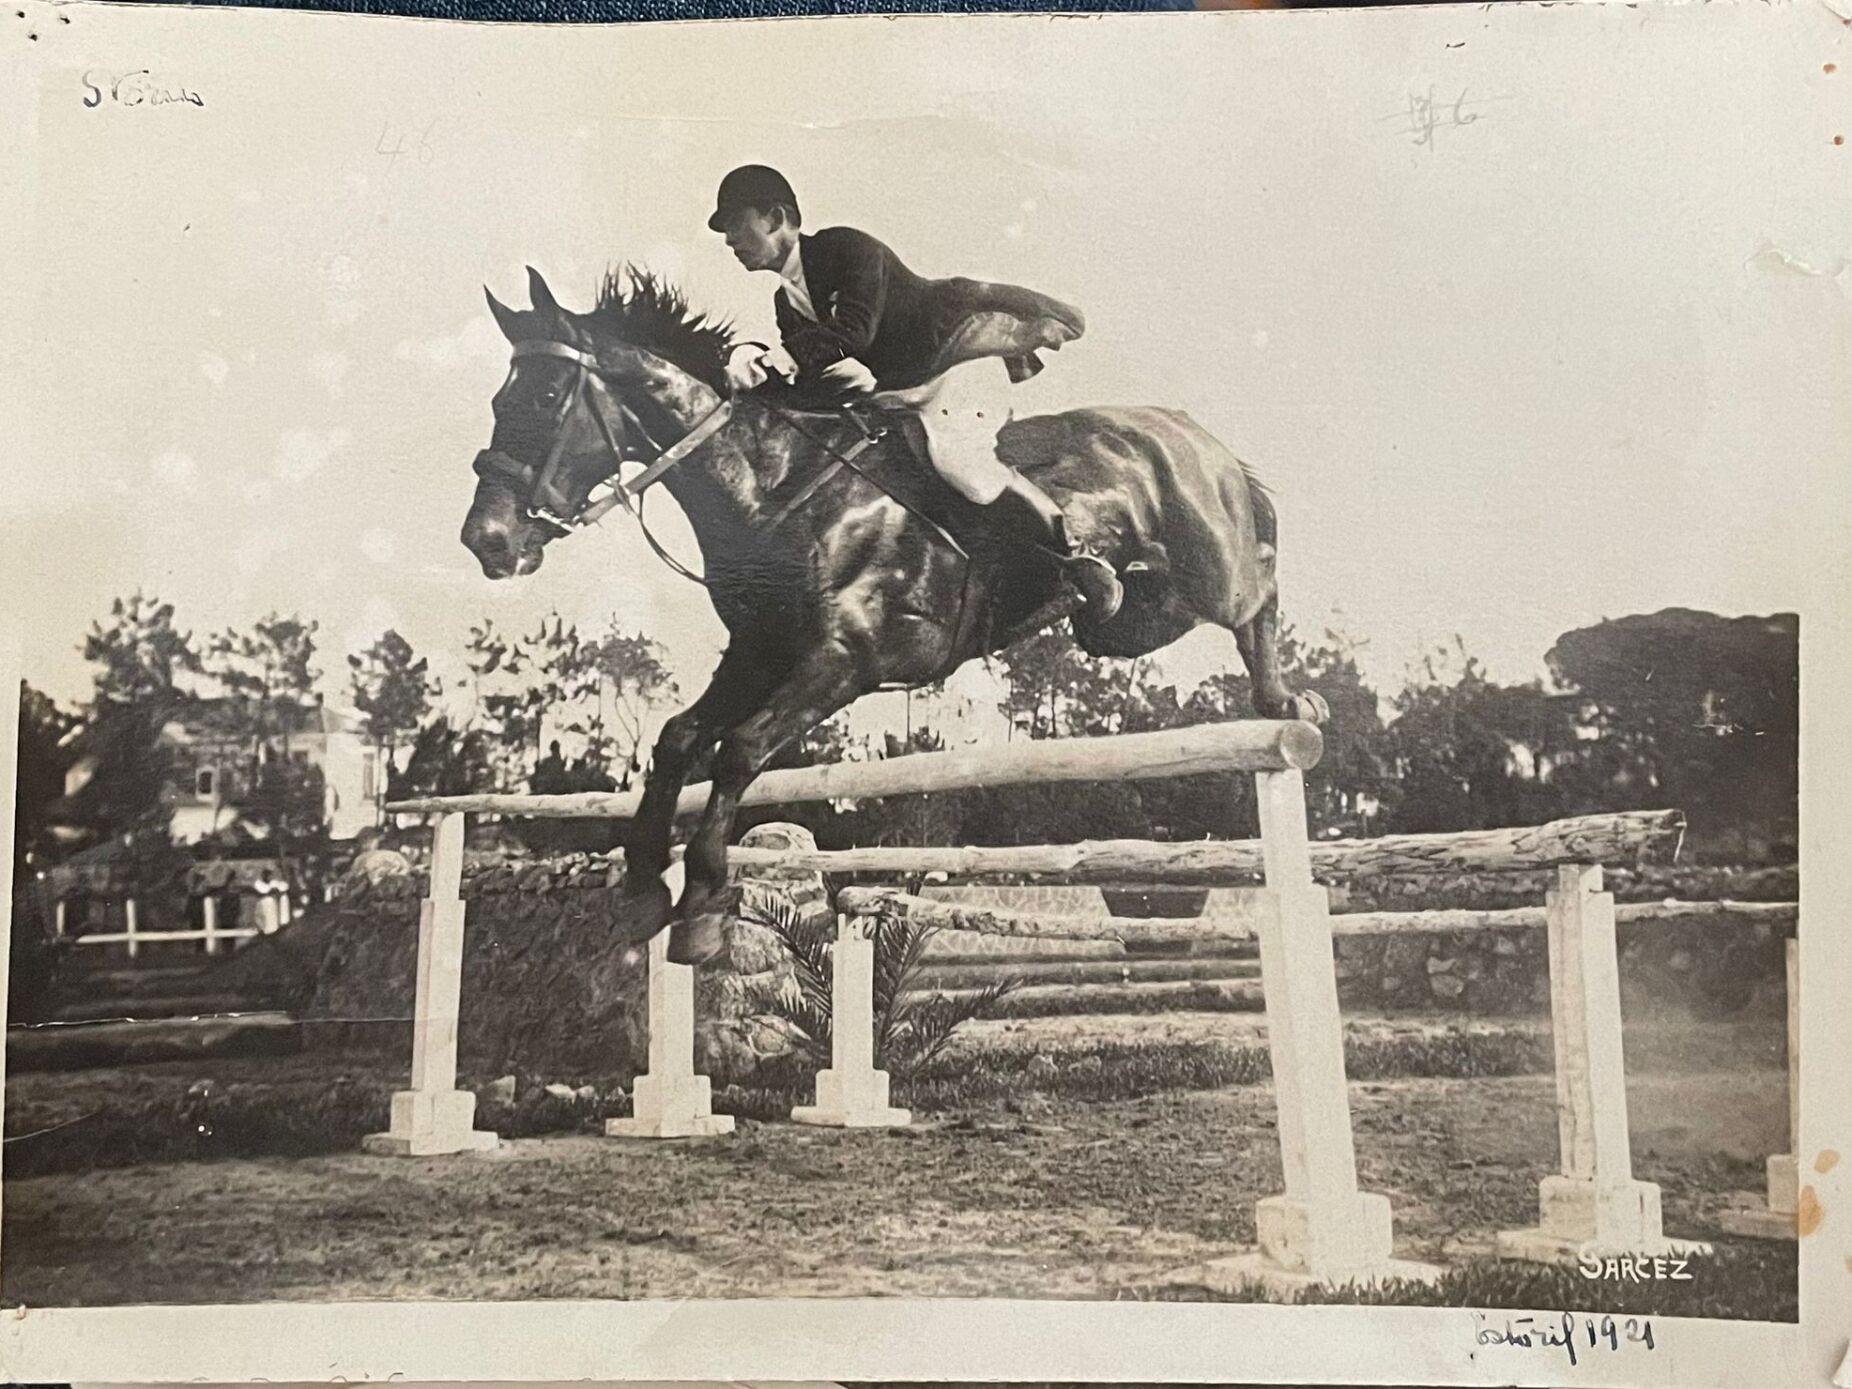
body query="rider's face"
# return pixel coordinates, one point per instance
(757, 239)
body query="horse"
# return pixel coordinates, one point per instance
(836, 559)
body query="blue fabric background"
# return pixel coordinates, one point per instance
(607, 11)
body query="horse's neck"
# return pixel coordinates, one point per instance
(717, 486)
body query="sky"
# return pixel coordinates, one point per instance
(1575, 350)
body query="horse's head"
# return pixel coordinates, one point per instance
(633, 378)
(557, 436)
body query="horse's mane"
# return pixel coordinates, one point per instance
(647, 312)
(643, 310)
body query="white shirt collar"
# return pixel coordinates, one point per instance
(792, 273)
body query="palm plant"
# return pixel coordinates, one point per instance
(912, 1027)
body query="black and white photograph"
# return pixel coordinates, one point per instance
(1147, 679)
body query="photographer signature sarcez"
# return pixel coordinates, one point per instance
(857, 535)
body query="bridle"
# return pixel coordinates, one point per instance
(591, 390)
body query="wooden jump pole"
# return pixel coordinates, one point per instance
(1644, 836)
(1594, 1207)
(1180, 930)
(433, 1116)
(1244, 745)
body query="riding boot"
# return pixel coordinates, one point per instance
(1046, 526)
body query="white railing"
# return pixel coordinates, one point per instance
(274, 908)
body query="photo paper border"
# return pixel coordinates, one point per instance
(903, 1339)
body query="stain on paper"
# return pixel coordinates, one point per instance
(1810, 1212)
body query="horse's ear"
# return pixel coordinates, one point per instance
(507, 318)
(539, 294)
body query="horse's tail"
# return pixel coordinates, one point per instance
(1266, 519)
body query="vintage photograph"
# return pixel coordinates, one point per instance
(1143, 659)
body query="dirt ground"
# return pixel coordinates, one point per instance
(1038, 1198)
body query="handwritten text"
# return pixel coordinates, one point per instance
(138, 88)
(1565, 1333)
(1427, 113)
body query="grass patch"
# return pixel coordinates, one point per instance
(125, 1117)
(1086, 1000)
(1106, 1071)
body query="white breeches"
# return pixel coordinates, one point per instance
(962, 411)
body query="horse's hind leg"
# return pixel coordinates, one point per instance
(1259, 641)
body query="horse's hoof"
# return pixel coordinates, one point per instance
(641, 915)
(1309, 706)
(1099, 587)
(697, 940)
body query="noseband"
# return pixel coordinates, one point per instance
(588, 379)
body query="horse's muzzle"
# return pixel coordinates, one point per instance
(500, 551)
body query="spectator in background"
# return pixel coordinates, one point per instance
(550, 777)
(270, 891)
(373, 861)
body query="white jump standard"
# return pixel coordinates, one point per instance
(670, 1100)
(1594, 1207)
(852, 1094)
(434, 1116)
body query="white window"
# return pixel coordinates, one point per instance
(206, 782)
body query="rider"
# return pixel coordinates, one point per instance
(846, 301)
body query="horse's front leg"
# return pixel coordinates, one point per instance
(732, 693)
(824, 681)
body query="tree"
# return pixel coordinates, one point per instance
(1692, 711)
(268, 677)
(1469, 753)
(511, 699)
(631, 671)
(392, 690)
(596, 691)
(140, 654)
(43, 761)
(141, 660)
(445, 760)
(1053, 689)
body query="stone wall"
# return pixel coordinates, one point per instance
(545, 992)
(1703, 968)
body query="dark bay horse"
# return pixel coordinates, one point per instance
(831, 589)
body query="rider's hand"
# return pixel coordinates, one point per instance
(747, 373)
(848, 374)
